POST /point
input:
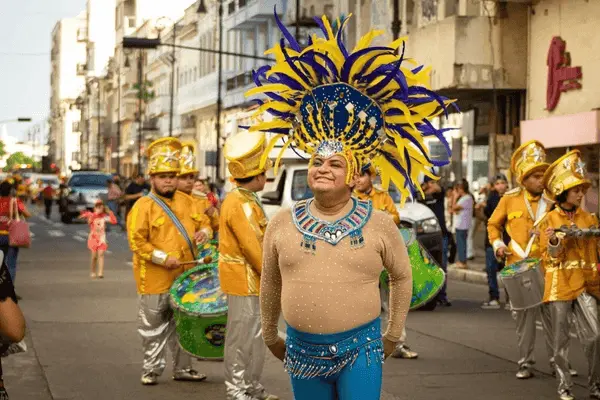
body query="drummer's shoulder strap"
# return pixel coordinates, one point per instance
(174, 219)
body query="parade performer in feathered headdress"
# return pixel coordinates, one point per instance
(345, 108)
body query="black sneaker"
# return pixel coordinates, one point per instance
(444, 302)
(3, 393)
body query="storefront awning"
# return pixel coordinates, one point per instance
(563, 131)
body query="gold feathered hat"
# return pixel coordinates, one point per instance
(566, 173)
(527, 159)
(365, 104)
(164, 156)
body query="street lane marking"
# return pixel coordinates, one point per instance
(54, 233)
(81, 233)
(31, 224)
(57, 225)
(79, 238)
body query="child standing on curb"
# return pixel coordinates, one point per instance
(97, 244)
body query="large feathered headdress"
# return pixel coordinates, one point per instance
(364, 105)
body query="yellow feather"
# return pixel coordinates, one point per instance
(272, 87)
(268, 149)
(266, 126)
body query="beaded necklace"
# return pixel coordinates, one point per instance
(313, 228)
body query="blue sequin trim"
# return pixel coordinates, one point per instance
(314, 229)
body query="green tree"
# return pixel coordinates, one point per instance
(2, 150)
(18, 158)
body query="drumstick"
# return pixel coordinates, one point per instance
(190, 262)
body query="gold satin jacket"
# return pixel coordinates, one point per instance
(149, 228)
(381, 200)
(571, 265)
(513, 214)
(241, 229)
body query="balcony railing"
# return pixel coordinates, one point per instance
(239, 81)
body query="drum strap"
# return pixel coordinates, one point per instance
(541, 213)
(175, 220)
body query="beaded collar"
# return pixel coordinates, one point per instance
(313, 228)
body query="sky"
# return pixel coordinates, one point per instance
(25, 41)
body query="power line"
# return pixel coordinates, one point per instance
(23, 54)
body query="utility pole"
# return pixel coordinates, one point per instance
(140, 103)
(396, 23)
(88, 125)
(172, 80)
(119, 120)
(297, 33)
(99, 125)
(219, 91)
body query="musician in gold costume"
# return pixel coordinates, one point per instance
(159, 244)
(572, 282)
(242, 226)
(518, 212)
(185, 184)
(381, 200)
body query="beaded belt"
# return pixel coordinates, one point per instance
(308, 360)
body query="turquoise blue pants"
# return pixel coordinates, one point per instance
(340, 366)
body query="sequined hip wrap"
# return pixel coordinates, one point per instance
(156, 326)
(584, 312)
(310, 355)
(244, 348)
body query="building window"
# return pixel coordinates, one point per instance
(195, 73)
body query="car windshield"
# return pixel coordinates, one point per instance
(89, 180)
(300, 189)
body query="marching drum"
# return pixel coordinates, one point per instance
(524, 282)
(200, 312)
(428, 277)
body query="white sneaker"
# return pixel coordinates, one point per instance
(491, 305)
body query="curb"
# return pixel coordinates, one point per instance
(470, 276)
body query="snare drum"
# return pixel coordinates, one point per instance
(524, 282)
(200, 312)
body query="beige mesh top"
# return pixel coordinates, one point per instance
(336, 288)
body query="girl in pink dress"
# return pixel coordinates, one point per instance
(97, 244)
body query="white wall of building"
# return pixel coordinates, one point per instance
(72, 53)
(101, 31)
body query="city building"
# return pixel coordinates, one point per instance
(68, 70)
(99, 38)
(477, 52)
(563, 96)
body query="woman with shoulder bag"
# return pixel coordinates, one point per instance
(11, 209)
(12, 321)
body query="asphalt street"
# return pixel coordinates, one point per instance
(83, 343)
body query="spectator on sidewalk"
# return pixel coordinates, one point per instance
(6, 202)
(114, 200)
(500, 184)
(450, 224)
(435, 199)
(462, 207)
(135, 190)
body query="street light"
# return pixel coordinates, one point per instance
(20, 119)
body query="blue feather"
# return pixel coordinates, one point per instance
(288, 36)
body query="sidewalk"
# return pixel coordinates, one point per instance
(475, 273)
